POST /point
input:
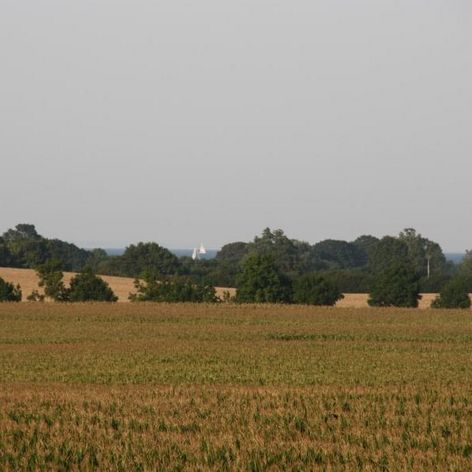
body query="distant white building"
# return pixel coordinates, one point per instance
(198, 252)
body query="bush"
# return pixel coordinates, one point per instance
(35, 296)
(9, 293)
(84, 287)
(396, 286)
(261, 282)
(172, 290)
(454, 294)
(312, 289)
(87, 287)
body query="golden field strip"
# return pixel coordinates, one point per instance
(233, 387)
(123, 286)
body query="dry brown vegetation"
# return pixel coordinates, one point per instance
(359, 300)
(227, 387)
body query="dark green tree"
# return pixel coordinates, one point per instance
(22, 232)
(232, 253)
(9, 292)
(367, 243)
(25, 247)
(389, 251)
(426, 256)
(98, 260)
(396, 286)
(356, 280)
(312, 289)
(464, 270)
(261, 281)
(72, 257)
(6, 257)
(333, 254)
(51, 279)
(86, 286)
(201, 271)
(172, 289)
(455, 294)
(143, 257)
(292, 257)
(227, 263)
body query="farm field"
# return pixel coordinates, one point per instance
(123, 286)
(226, 387)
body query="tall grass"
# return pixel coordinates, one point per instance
(185, 387)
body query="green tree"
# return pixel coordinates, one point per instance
(200, 270)
(396, 286)
(367, 243)
(426, 256)
(333, 254)
(98, 260)
(172, 289)
(464, 269)
(261, 281)
(232, 253)
(356, 280)
(86, 286)
(143, 257)
(312, 289)
(9, 292)
(227, 263)
(51, 279)
(6, 257)
(35, 296)
(25, 247)
(292, 257)
(389, 252)
(22, 232)
(72, 257)
(455, 294)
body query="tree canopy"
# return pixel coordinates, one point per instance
(352, 266)
(312, 289)
(86, 286)
(332, 254)
(261, 281)
(455, 294)
(142, 257)
(396, 286)
(24, 247)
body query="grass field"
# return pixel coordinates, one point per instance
(186, 387)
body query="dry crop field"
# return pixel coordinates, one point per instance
(123, 286)
(227, 387)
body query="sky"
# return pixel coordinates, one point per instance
(183, 122)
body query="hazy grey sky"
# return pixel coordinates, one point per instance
(188, 121)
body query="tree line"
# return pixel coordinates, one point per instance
(271, 268)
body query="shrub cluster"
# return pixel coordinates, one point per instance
(9, 292)
(84, 287)
(155, 288)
